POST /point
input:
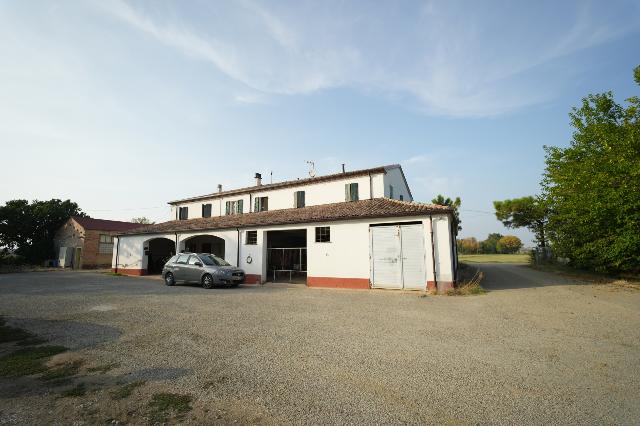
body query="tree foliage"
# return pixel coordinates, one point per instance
(508, 244)
(142, 220)
(490, 245)
(29, 228)
(526, 212)
(594, 186)
(468, 246)
(455, 204)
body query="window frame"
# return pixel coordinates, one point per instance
(206, 207)
(184, 209)
(297, 197)
(234, 207)
(105, 247)
(260, 204)
(247, 240)
(351, 192)
(323, 234)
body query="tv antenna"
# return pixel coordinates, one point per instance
(312, 170)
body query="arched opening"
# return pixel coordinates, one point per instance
(158, 251)
(205, 244)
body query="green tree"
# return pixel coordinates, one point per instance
(593, 186)
(526, 212)
(142, 220)
(468, 246)
(455, 204)
(508, 244)
(29, 228)
(490, 245)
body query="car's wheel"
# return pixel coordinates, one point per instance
(207, 281)
(168, 279)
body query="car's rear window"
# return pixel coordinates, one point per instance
(173, 259)
(182, 258)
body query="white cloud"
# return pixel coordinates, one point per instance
(452, 59)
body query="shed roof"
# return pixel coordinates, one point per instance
(372, 208)
(92, 224)
(290, 183)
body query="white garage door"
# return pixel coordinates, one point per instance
(397, 256)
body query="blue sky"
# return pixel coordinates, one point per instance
(122, 106)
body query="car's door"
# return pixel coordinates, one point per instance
(180, 267)
(193, 269)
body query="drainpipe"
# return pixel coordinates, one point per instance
(370, 186)
(117, 254)
(176, 244)
(433, 253)
(238, 261)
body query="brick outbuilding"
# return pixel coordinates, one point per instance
(87, 243)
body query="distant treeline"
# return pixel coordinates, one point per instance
(495, 243)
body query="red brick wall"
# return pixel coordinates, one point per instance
(91, 257)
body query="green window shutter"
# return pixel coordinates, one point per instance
(302, 200)
(265, 204)
(256, 205)
(240, 209)
(228, 207)
(354, 192)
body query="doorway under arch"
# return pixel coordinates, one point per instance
(159, 251)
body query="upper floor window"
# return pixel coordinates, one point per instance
(234, 207)
(206, 210)
(261, 204)
(106, 244)
(252, 238)
(323, 234)
(351, 192)
(390, 191)
(401, 197)
(298, 199)
(183, 213)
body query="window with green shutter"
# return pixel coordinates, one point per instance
(298, 199)
(234, 207)
(261, 204)
(351, 192)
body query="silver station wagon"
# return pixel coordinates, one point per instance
(203, 268)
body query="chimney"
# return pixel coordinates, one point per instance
(343, 168)
(219, 188)
(258, 179)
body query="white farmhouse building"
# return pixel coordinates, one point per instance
(357, 229)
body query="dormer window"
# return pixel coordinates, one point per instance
(351, 192)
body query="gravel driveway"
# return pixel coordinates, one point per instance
(535, 349)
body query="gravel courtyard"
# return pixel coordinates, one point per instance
(535, 349)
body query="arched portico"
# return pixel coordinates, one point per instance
(204, 243)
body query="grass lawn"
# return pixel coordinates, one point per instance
(494, 258)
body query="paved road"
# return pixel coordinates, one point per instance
(501, 276)
(534, 350)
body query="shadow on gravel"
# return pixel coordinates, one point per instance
(74, 335)
(16, 387)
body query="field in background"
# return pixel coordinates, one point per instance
(494, 258)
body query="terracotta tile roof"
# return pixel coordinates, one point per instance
(374, 208)
(289, 183)
(92, 224)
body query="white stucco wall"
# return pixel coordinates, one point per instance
(315, 194)
(345, 256)
(394, 178)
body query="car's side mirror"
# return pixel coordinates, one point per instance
(198, 264)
